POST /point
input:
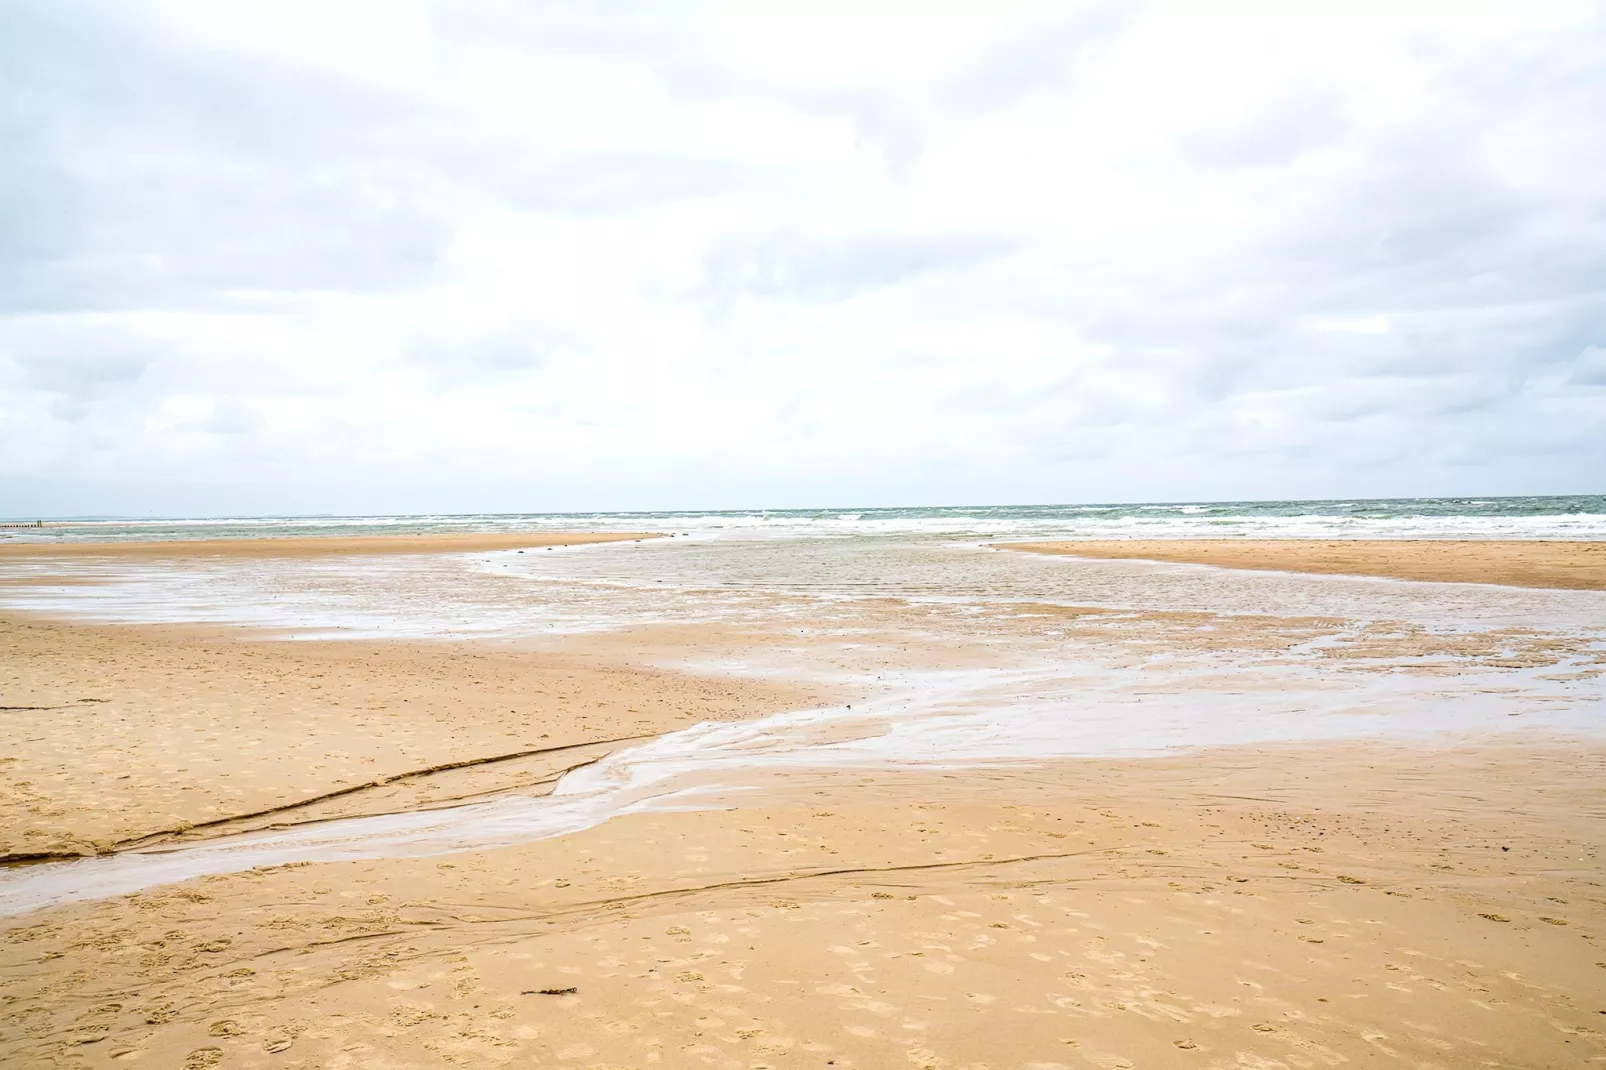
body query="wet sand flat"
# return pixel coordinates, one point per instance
(1352, 904)
(119, 733)
(1513, 563)
(318, 546)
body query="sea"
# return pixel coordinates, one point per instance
(1538, 517)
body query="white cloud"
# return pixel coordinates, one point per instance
(1352, 324)
(347, 256)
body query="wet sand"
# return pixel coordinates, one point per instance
(1274, 906)
(1266, 907)
(319, 546)
(120, 734)
(1553, 564)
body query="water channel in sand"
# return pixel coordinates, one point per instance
(966, 656)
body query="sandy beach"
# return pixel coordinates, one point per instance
(740, 537)
(1531, 563)
(128, 734)
(1357, 901)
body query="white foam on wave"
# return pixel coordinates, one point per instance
(1579, 517)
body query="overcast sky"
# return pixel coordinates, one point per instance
(325, 256)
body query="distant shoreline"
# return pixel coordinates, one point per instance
(322, 545)
(1543, 563)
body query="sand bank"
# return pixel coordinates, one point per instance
(1565, 565)
(1230, 908)
(120, 733)
(320, 545)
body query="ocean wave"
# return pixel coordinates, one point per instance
(1579, 517)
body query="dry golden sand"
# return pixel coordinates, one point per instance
(1258, 908)
(1572, 565)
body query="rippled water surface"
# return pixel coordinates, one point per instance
(1543, 517)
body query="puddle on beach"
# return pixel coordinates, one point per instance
(972, 656)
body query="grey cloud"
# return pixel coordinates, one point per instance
(146, 175)
(1044, 57)
(630, 31)
(87, 366)
(1537, 71)
(887, 123)
(789, 265)
(1306, 118)
(76, 363)
(892, 127)
(1436, 220)
(1487, 284)
(81, 375)
(1422, 225)
(232, 415)
(1589, 367)
(607, 183)
(491, 355)
(142, 173)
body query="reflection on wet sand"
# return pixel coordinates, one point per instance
(852, 801)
